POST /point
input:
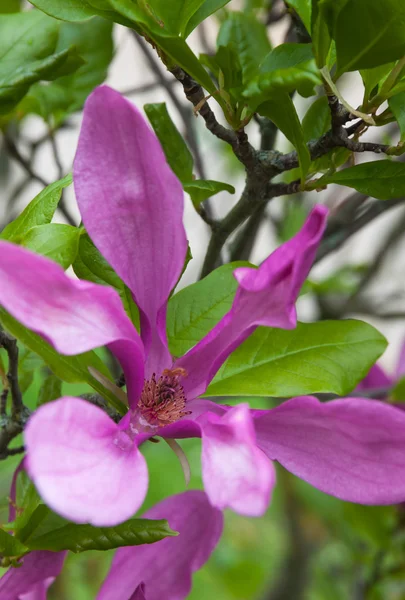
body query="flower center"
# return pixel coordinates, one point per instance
(163, 401)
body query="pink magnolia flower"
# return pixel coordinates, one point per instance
(89, 468)
(378, 378)
(174, 559)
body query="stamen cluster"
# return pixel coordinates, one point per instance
(163, 401)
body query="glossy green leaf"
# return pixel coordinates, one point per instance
(196, 309)
(28, 363)
(10, 546)
(51, 389)
(397, 106)
(38, 212)
(9, 6)
(175, 148)
(206, 9)
(287, 68)
(28, 49)
(173, 16)
(27, 500)
(328, 356)
(72, 369)
(398, 393)
(80, 538)
(248, 37)
(382, 179)
(369, 33)
(317, 120)
(56, 241)
(92, 266)
(303, 9)
(201, 189)
(281, 110)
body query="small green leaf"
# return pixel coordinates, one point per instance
(328, 356)
(382, 179)
(321, 39)
(28, 363)
(56, 241)
(287, 68)
(281, 111)
(38, 212)
(175, 148)
(248, 37)
(10, 546)
(201, 189)
(73, 10)
(206, 9)
(27, 500)
(317, 120)
(369, 33)
(397, 106)
(28, 51)
(9, 6)
(92, 266)
(80, 538)
(196, 309)
(51, 389)
(372, 77)
(398, 393)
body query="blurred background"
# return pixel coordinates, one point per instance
(308, 545)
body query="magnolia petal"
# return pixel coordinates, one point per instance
(236, 474)
(352, 448)
(375, 378)
(31, 580)
(83, 465)
(139, 593)
(73, 316)
(132, 206)
(265, 296)
(166, 567)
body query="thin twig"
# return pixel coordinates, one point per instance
(10, 345)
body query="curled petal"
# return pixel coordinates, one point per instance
(31, 580)
(166, 567)
(73, 316)
(236, 474)
(265, 296)
(139, 593)
(375, 378)
(84, 466)
(132, 207)
(352, 448)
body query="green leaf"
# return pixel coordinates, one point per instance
(303, 9)
(51, 389)
(398, 393)
(28, 363)
(175, 148)
(328, 356)
(287, 68)
(56, 241)
(10, 546)
(281, 111)
(202, 189)
(369, 33)
(72, 369)
(28, 50)
(92, 266)
(397, 106)
(196, 309)
(73, 10)
(9, 6)
(321, 39)
(38, 212)
(248, 37)
(317, 120)
(80, 538)
(93, 41)
(206, 9)
(382, 179)
(372, 77)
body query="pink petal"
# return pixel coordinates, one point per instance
(265, 296)
(31, 580)
(236, 474)
(139, 593)
(132, 207)
(375, 378)
(166, 567)
(83, 465)
(73, 316)
(352, 448)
